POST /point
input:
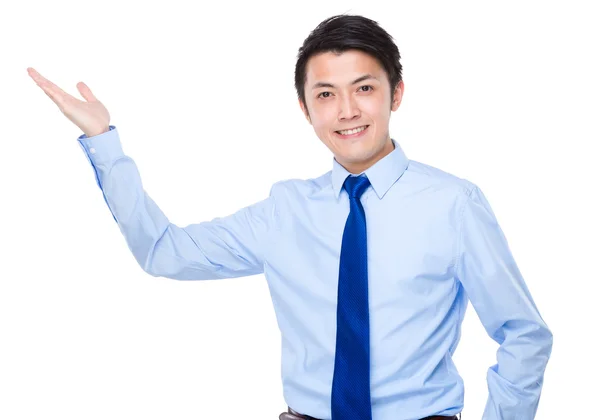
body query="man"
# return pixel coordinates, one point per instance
(370, 265)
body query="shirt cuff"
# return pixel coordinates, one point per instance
(102, 148)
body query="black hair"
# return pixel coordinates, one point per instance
(340, 33)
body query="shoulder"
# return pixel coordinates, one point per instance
(301, 186)
(425, 175)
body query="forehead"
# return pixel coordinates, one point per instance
(347, 66)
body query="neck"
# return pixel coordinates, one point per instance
(356, 168)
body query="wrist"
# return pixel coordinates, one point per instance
(97, 132)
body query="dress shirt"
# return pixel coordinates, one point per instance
(433, 244)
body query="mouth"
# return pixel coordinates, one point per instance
(349, 134)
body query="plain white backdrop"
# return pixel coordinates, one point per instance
(503, 94)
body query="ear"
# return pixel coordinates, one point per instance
(398, 95)
(304, 111)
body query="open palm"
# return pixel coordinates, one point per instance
(91, 116)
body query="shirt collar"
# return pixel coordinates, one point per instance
(382, 174)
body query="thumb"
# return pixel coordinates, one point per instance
(86, 92)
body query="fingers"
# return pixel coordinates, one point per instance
(55, 93)
(86, 92)
(288, 416)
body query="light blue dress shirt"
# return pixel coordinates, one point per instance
(433, 244)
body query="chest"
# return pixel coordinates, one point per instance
(410, 250)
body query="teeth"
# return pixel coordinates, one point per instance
(354, 131)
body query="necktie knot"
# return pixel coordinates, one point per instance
(356, 185)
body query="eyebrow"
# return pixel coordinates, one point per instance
(360, 79)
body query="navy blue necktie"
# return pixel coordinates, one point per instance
(351, 389)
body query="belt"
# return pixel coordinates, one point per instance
(294, 415)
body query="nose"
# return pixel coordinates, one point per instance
(348, 108)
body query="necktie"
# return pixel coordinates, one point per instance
(351, 390)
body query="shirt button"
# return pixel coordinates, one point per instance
(92, 150)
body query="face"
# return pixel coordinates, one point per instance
(350, 91)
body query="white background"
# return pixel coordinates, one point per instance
(503, 94)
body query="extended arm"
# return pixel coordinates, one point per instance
(225, 247)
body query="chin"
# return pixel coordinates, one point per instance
(356, 156)
(356, 148)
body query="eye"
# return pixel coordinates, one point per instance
(322, 93)
(366, 86)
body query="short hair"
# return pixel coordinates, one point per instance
(343, 32)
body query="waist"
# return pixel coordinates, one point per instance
(392, 400)
(294, 415)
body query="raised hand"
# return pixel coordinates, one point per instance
(90, 115)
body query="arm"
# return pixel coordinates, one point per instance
(495, 287)
(231, 246)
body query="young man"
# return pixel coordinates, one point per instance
(370, 265)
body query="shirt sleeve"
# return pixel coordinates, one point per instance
(492, 281)
(225, 247)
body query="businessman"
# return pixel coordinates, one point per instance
(370, 266)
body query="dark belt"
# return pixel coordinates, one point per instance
(294, 415)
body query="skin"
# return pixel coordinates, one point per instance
(347, 105)
(90, 115)
(341, 106)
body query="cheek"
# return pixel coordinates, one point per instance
(323, 119)
(374, 106)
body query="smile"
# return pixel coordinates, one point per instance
(355, 132)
